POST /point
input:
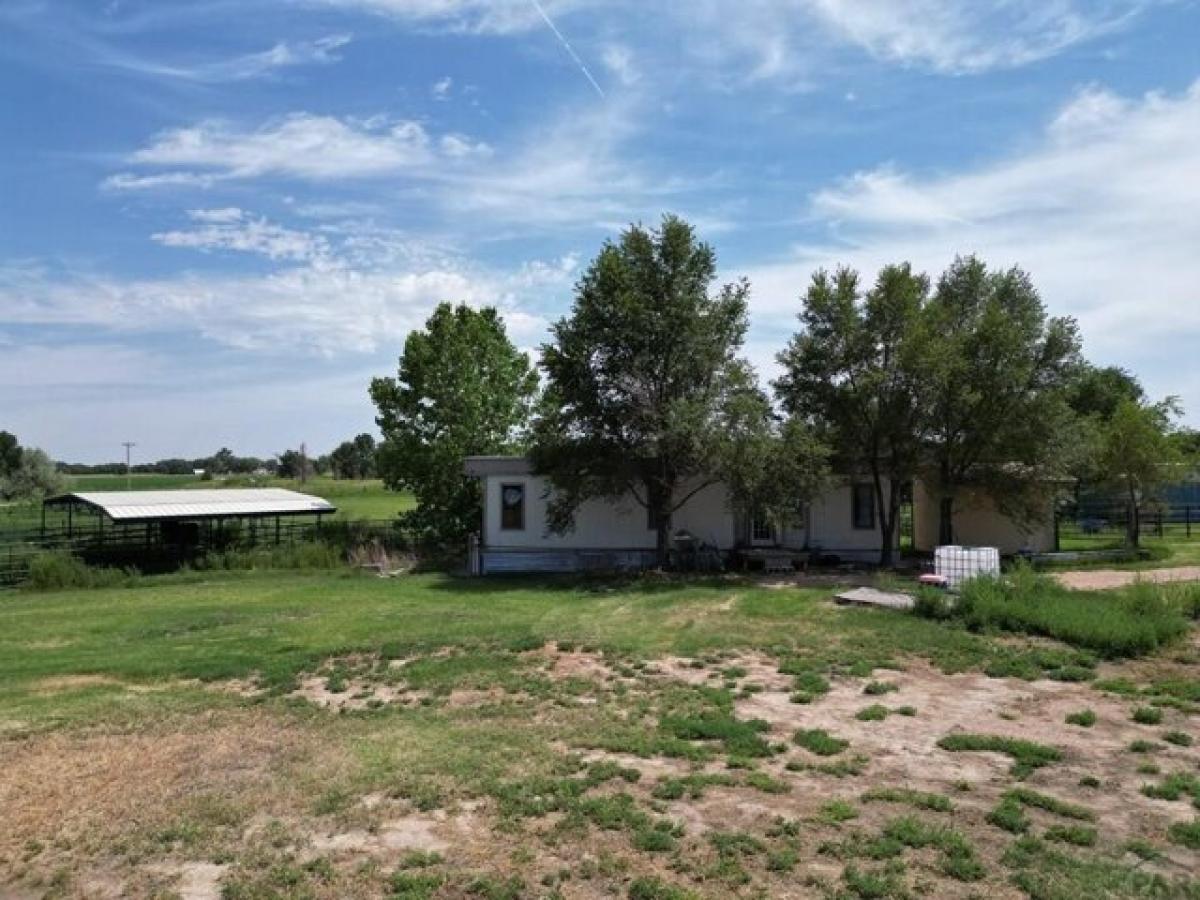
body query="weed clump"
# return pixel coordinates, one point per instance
(1026, 755)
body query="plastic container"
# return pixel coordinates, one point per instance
(961, 564)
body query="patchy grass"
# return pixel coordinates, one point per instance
(1085, 718)
(1026, 755)
(819, 742)
(546, 737)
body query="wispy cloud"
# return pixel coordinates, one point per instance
(305, 146)
(231, 229)
(283, 55)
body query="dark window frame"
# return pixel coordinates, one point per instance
(858, 521)
(505, 509)
(756, 519)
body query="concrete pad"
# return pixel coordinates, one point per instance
(868, 596)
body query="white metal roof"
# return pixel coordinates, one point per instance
(201, 504)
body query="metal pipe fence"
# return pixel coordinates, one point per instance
(152, 547)
(1106, 526)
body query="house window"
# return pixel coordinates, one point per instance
(512, 507)
(760, 528)
(863, 506)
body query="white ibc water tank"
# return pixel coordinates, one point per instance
(959, 564)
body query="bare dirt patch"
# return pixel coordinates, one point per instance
(902, 750)
(193, 880)
(1109, 579)
(354, 694)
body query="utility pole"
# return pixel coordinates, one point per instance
(128, 445)
(303, 463)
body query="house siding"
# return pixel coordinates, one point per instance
(978, 523)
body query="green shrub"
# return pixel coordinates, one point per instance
(875, 688)
(918, 799)
(933, 603)
(876, 712)
(1133, 621)
(58, 570)
(1178, 738)
(656, 889)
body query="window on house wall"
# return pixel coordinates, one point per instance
(512, 507)
(863, 506)
(760, 528)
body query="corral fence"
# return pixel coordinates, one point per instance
(151, 547)
(1104, 526)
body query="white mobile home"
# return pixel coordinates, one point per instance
(617, 533)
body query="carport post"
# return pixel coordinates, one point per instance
(277, 531)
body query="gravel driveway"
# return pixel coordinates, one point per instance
(1105, 579)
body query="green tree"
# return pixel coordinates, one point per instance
(354, 458)
(10, 453)
(34, 478)
(646, 395)
(1137, 455)
(995, 375)
(854, 370)
(1098, 391)
(462, 389)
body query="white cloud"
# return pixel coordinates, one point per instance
(1102, 213)
(282, 55)
(618, 59)
(222, 230)
(475, 16)
(959, 36)
(440, 89)
(300, 145)
(353, 296)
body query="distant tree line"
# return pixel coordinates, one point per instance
(354, 458)
(965, 382)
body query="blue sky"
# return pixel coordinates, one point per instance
(219, 218)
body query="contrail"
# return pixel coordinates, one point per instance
(567, 44)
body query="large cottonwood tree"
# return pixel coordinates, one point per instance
(855, 371)
(646, 394)
(995, 375)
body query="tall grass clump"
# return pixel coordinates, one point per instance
(307, 555)
(58, 570)
(1129, 622)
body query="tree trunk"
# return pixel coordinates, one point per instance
(662, 541)
(1133, 527)
(946, 521)
(887, 520)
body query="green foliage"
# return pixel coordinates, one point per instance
(1028, 797)
(32, 477)
(354, 458)
(1135, 454)
(1178, 738)
(994, 373)
(1085, 718)
(1078, 835)
(58, 570)
(909, 797)
(819, 742)
(1044, 873)
(836, 811)
(1147, 715)
(1009, 816)
(1186, 834)
(1130, 622)
(959, 859)
(1175, 786)
(876, 688)
(738, 737)
(1026, 755)
(855, 368)
(462, 389)
(876, 712)
(646, 395)
(657, 889)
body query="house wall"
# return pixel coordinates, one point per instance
(831, 526)
(602, 524)
(622, 524)
(978, 523)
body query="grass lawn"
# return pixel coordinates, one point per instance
(277, 734)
